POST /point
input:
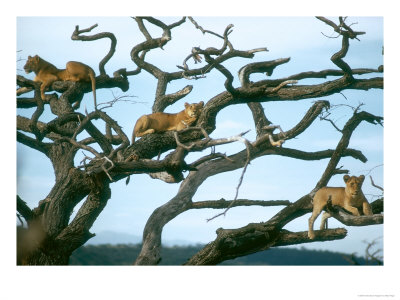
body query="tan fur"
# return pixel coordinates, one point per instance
(160, 122)
(46, 73)
(351, 198)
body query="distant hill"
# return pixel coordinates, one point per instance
(112, 237)
(115, 238)
(124, 254)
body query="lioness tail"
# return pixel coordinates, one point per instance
(92, 76)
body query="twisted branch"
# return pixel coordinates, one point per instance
(77, 36)
(347, 33)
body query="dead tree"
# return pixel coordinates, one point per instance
(52, 236)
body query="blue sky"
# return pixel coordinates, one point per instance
(297, 37)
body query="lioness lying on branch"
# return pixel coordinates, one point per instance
(46, 73)
(161, 122)
(351, 198)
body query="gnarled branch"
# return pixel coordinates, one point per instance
(77, 36)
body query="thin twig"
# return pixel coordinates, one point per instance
(203, 30)
(79, 145)
(370, 170)
(103, 165)
(331, 121)
(207, 137)
(179, 144)
(106, 159)
(248, 145)
(275, 143)
(271, 139)
(373, 184)
(116, 99)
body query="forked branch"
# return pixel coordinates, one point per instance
(347, 33)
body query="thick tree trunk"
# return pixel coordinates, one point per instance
(50, 237)
(39, 258)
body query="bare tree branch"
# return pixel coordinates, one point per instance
(350, 220)
(24, 209)
(259, 67)
(347, 33)
(235, 242)
(77, 36)
(32, 143)
(222, 203)
(373, 184)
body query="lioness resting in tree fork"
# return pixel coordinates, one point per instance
(351, 198)
(161, 122)
(46, 73)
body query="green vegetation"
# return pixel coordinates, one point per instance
(126, 254)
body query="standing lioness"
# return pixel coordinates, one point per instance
(160, 122)
(46, 73)
(351, 198)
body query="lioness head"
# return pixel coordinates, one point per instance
(32, 64)
(353, 184)
(194, 110)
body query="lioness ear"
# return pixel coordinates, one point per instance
(361, 177)
(29, 57)
(201, 103)
(346, 177)
(186, 104)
